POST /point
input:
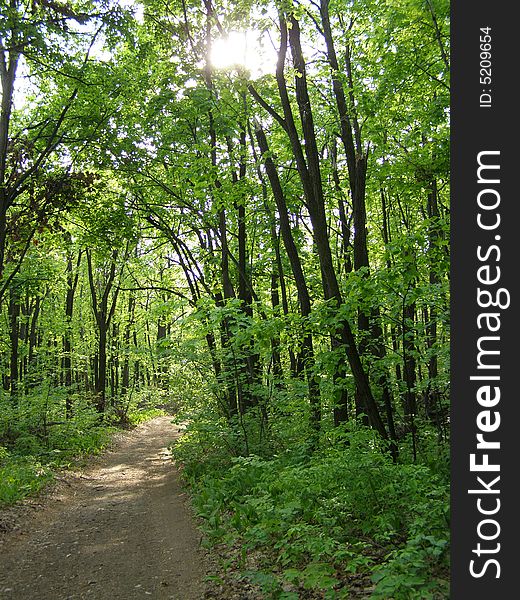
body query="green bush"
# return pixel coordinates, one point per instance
(20, 477)
(319, 517)
(36, 436)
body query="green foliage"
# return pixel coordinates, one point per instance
(419, 570)
(33, 450)
(319, 517)
(146, 414)
(37, 439)
(20, 476)
(151, 275)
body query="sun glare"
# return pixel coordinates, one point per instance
(243, 49)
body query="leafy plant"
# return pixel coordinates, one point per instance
(319, 517)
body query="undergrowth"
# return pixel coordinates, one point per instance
(36, 437)
(324, 519)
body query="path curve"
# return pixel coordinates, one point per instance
(118, 530)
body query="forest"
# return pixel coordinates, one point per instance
(236, 212)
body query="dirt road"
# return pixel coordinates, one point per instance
(118, 530)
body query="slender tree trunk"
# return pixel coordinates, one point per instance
(357, 159)
(137, 362)
(432, 396)
(33, 337)
(8, 68)
(310, 176)
(72, 282)
(101, 379)
(296, 364)
(23, 335)
(409, 363)
(249, 361)
(162, 367)
(125, 373)
(275, 342)
(228, 365)
(115, 352)
(14, 329)
(103, 308)
(307, 351)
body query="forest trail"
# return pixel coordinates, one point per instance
(117, 530)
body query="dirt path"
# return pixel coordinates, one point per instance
(118, 530)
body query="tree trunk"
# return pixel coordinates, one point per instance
(275, 342)
(33, 337)
(101, 379)
(103, 308)
(432, 396)
(162, 367)
(357, 160)
(72, 282)
(125, 373)
(310, 177)
(409, 364)
(14, 329)
(307, 351)
(8, 69)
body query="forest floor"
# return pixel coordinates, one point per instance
(118, 529)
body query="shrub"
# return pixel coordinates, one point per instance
(322, 517)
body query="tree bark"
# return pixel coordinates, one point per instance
(72, 282)
(310, 176)
(14, 330)
(104, 308)
(307, 351)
